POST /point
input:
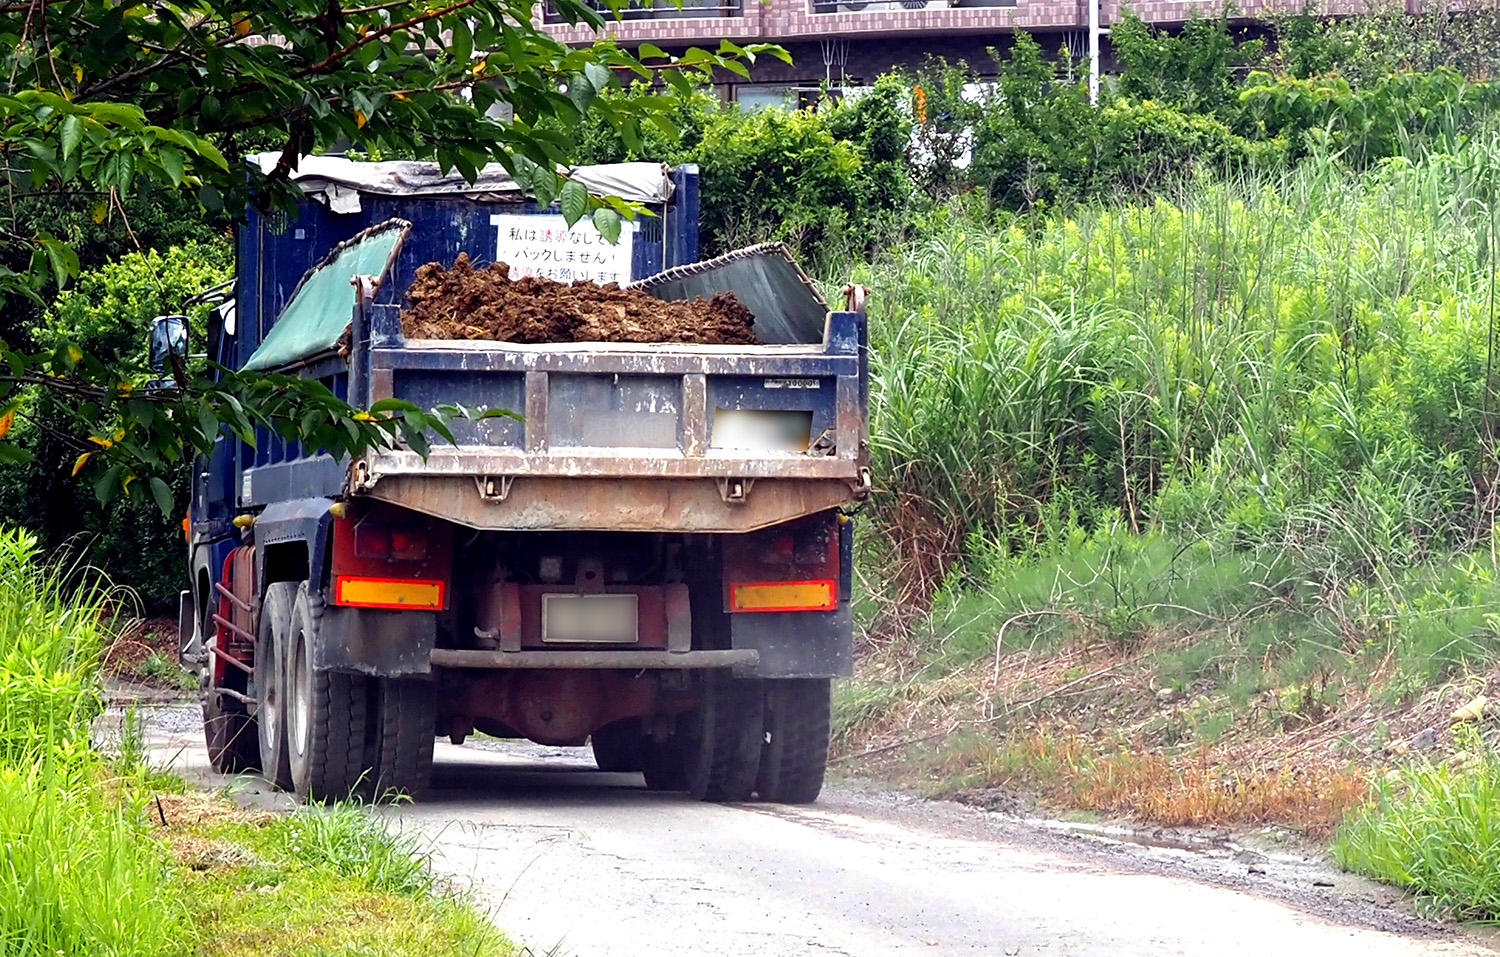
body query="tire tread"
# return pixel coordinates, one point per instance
(404, 737)
(798, 718)
(728, 745)
(336, 752)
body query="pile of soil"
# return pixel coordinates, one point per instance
(462, 302)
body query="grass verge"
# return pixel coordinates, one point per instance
(1180, 683)
(103, 856)
(1432, 829)
(319, 881)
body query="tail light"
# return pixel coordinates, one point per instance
(378, 542)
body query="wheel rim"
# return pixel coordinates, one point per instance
(268, 695)
(301, 710)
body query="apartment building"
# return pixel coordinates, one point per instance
(850, 42)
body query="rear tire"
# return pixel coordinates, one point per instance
(723, 746)
(620, 747)
(663, 766)
(270, 682)
(230, 734)
(326, 712)
(404, 732)
(794, 757)
(229, 729)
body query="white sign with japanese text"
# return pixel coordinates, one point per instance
(545, 246)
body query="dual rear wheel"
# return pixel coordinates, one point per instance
(328, 735)
(762, 738)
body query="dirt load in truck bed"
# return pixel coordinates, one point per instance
(462, 302)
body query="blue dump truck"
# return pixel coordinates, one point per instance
(652, 556)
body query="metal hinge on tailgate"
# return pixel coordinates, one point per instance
(735, 490)
(493, 488)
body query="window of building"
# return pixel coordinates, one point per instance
(754, 97)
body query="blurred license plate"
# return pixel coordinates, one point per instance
(589, 619)
(762, 430)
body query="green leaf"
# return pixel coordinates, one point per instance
(598, 74)
(500, 414)
(581, 93)
(62, 258)
(117, 114)
(544, 185)
(173, 162)
(107, 484)
(394, 405)
(441, 428)
(607, 221)
(575, 201)
(417, 441)
(163, 496)
(70, 131)
(462, 47)
(208, 423)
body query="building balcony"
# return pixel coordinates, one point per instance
(660, 10)
(877, 6)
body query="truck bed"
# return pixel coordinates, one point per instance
(621, 437)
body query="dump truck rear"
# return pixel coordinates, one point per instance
(652, 554)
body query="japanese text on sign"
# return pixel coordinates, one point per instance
(545, 246)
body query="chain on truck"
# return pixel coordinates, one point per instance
(652, 556)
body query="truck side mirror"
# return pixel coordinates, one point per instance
(168, 343)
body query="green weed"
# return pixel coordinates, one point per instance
(1291, 364)
(1432, 828)
(164, 668)
(51, 635)
(347, 840)
(81, 877)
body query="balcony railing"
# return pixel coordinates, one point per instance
(662, 10)
(875, 6)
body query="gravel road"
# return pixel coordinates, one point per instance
(572, 861)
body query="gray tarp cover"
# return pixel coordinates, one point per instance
(340, 181)
(322, 305)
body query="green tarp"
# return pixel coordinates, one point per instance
(323, 302)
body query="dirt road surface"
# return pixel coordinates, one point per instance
(571, 861)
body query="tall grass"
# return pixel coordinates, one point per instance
(80, 877)
(51, 638)
(1300, 362)
(80, 874)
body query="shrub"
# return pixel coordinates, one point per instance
(827, 181)
(1395, 115)
(1037, 141)
(1193, 68)
(776, 175)
(107, 314)
(1146, 147)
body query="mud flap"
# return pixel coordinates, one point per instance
(374, 641)
(798, 644)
